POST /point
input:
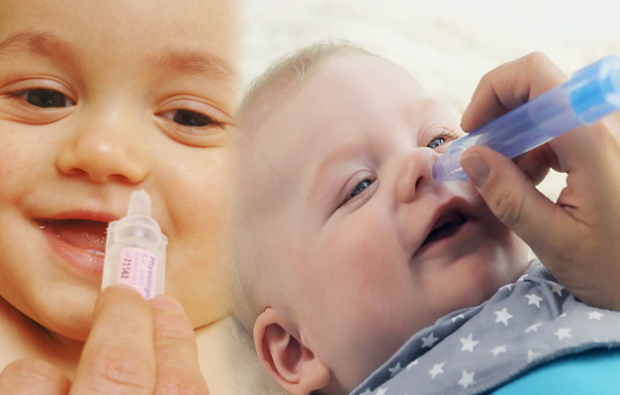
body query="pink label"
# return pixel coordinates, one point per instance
(138, 268)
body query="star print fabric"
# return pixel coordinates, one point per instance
(473, 350)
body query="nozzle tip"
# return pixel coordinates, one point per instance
(140, 203)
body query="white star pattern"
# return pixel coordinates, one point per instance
(534, 299)
(533, 328)
(429, 341)
(563, 333)
(503, 316)
(555, 287)
(498, 350)
(395, 370)
(467, 379)
(531, 355)
(563, 315)
(468, 343)
(412, 364)
(507, 286)
(458, 317)
(382, 391)
(367, 392)
(436, 370)
(595, 315)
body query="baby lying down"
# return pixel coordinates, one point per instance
(358, 271)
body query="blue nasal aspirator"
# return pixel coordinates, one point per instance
(592, 93)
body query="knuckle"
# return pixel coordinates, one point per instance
(180, 384)
(120, 365)
(535, 60)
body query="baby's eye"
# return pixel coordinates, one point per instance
(44, 98)
(188, 118)
(442, 136)
(357, 189)
(436, 142)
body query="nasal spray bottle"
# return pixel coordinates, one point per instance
(135, 251)
(591, 94)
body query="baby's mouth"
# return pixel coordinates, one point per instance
(445, 226)
(85, 234)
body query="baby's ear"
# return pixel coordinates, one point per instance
(288, 361)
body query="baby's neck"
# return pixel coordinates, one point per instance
(21, 337)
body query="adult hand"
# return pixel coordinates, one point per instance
(134, 347)
(576, 237)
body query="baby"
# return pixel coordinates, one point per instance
(348, 246)
(98, 100)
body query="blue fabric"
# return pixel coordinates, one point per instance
(472, 351)
(592, 372)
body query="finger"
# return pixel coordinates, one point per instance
(176, 350)
(509, 86)
(514, 200)
(33, 377)
(118, 357)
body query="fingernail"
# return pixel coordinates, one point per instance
(476, 168)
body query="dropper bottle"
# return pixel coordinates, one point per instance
(136, 250)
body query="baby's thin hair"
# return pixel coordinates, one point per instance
(285, 76)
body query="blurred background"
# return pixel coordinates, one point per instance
(447, 45)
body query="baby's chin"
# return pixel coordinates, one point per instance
(64, 317)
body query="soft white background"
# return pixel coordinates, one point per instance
(447, 45)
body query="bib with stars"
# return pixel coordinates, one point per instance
(473, 350)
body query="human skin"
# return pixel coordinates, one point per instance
(576, 236)
(134, 348)
(349, 280)
(122, 72)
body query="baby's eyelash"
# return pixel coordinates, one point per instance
(447, 134)
(355, 191)
(54, 99)
(191, 119)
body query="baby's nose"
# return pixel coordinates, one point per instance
(415, 173)
(104, 151)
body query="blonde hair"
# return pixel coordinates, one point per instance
(285, 76)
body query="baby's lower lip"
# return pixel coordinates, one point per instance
(443, 242)
(80, 243)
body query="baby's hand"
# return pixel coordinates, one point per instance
(133, 348)
(578, 237)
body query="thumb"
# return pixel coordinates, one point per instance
(513, 198)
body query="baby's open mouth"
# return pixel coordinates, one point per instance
(445, 226)
(85, 234)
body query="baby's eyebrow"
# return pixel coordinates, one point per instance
(45, 44)
(197, 62)
(189, 62)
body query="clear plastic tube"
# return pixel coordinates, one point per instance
(136, 250)
(591, 94)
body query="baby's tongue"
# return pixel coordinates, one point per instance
(85, 234)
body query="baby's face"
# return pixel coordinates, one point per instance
(366, 247)
(97, 100)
